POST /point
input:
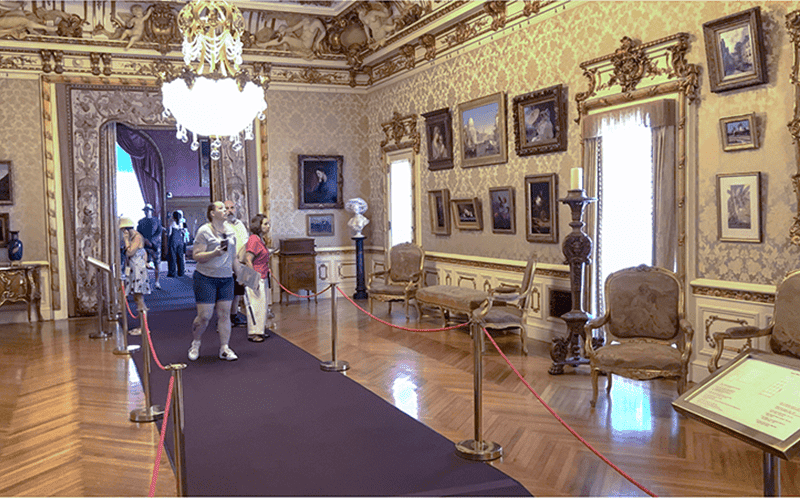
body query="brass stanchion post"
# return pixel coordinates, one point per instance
(101, 302)
(150, 412)
(333, 365)
(478, 449)
(177, 429)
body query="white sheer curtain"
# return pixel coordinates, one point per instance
(645, 132)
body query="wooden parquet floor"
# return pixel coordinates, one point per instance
(65, 399)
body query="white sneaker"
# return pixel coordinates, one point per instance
(158, 285)
(270, 314)
(194, 351)
(227, 354)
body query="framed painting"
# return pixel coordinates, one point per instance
(541, 210)
(540, 121)
(4, 222)
(739, 132)
(467, 214)
(440, 211)
(5, 183)
(501, 201)
(320, 181)
(735, 51)
(482, 125)
(739, 207)
(439, 130)
(205, 162)
(320, 225)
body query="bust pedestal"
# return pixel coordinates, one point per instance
(361, 289)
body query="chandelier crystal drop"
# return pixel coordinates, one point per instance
(212, 96)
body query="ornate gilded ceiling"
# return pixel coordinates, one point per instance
(346, 44)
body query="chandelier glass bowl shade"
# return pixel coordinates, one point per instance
(212, 96)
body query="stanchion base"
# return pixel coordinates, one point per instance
(100, 335)
(130, 350)
(147, 414)
(483, 451)
(334, 366)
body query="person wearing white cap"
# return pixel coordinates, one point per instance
(150, 227)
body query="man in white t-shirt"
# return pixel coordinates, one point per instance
(242, 234)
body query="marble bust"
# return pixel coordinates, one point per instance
(358, 206)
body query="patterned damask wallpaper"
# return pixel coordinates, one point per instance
(21, 142)
(549, 53)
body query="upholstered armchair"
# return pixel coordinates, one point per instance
(400, 282)
(506, 307)
(783, 330)
(646, 333)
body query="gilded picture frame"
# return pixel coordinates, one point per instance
(204, 154)
(439, 133)
(467, 214)
(320, 225)
(4, 230)
(540, 121)
(735, 51)
(6, 184)
(482, 131)
(439, 206)
(739, 207)
(739, 132)
(503, 210)
(541, 209)
(320, 181)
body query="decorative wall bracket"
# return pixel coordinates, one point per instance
(401, 132)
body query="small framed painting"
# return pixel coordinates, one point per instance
(320, 225)
(482, 124)
(739, 132)
(541, 221)
(440, 211)
(4, 222)
(467, 214)
(320, 181)
(540, 121)
(205, 162)
(439, 128)
(501, 201)
(735, 51)
(5, 183)
(739, 207)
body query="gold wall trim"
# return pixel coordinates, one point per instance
(725, 293)
(466, 262)
(793, 27)
(51, 187)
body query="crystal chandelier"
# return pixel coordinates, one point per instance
(212, 96)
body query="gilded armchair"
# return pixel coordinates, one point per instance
(400, 282)
(646, 333)
(507, 305)
(783, 330)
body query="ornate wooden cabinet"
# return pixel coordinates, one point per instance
(298, 268)
(20, 283)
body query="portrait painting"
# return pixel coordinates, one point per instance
(541, 209)
(735, 51)
(739, 206)
(5, 183)
(501, 201)
(320, 180)
(467, 214)
(320, 225)
(540, 121)
(4, 230)
(439, 201)
(439, 129)
(739, 132)
(205, 162)
(482, 125)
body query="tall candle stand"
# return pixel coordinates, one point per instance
(577, 247)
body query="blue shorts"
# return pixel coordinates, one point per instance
(212, 290)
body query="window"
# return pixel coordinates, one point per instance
(401, 199)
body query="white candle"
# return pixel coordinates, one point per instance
(576, 178)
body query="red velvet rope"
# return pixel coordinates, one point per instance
(125, 299)
(396, 326)
(566, 426)
(164, 422)
(146, 329)
(301, 296)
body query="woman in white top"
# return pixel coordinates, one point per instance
(215, 253)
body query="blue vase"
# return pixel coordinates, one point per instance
(15, 247)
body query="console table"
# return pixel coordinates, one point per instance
(21, 283)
